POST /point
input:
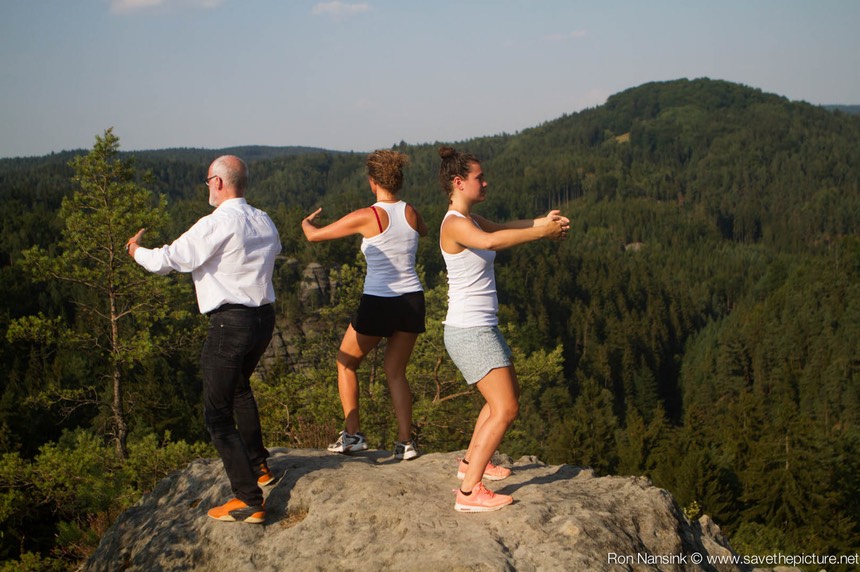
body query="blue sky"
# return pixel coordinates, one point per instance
(362, 75)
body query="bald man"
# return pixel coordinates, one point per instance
(230, 254)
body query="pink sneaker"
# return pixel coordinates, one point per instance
(481, 500)
(491, 472)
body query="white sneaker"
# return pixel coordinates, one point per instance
(347, 443)
(405, 450)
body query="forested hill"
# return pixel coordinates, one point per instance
(761, 167)
(700, 325)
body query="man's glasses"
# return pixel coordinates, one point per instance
(206, 182)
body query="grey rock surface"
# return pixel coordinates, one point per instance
(315, 287)
(368, 511)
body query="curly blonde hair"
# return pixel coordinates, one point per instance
(385, 167)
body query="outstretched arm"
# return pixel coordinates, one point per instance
(491, 226)
(462, 232)
(361, 222)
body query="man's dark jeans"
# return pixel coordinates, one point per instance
(237, 338)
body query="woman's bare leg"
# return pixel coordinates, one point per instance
(501, 390)
(353, 348)
(397, 351)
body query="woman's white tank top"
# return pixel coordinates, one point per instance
(472, 299)
(390, 255)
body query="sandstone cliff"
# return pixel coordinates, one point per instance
(370, 512)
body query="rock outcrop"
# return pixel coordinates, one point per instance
(370, 512)
(315, 287)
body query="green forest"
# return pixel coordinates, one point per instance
(699, 326)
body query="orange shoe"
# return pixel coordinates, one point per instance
(267, 477)
(491, 471)
(481, 500)
(236, 510)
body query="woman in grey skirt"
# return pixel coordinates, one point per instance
(469, 243)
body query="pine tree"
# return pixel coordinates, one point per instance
(120, 314)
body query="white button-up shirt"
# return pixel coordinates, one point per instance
(229, 253)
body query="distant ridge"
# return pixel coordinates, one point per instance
(850, 109)
(247, 152)
(194, 154)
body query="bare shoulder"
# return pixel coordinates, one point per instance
(415, 220)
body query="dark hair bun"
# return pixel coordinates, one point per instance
(447, 152)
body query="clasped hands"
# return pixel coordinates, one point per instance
(556, 219)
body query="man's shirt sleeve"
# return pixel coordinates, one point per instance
(186, 253)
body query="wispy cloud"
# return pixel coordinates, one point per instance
(129, 6)
(337, 8)
(125, 6)
(564, 36)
